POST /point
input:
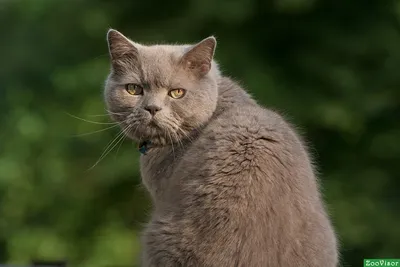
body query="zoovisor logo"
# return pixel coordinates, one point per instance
(382, 262)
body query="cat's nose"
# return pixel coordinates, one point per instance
(152, 109)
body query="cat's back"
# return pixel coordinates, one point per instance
(237, 112)
(241, 125)
(251, 137)
(249, 178)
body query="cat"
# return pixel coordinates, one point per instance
(231, 182)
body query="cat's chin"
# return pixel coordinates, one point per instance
(150, 134)
(155, 140)
(153, 131)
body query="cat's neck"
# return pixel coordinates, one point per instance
(230, 94)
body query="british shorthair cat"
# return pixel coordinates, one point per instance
(231, 182)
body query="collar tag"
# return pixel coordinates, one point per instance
(144, 147)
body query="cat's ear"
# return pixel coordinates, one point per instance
(121, 49)
(199, 57)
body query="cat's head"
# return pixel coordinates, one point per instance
(161, 93)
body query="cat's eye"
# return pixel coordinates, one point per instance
(177, 93)
(134, 89)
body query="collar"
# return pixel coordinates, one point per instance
(144, 146)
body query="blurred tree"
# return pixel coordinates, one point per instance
(330, 66)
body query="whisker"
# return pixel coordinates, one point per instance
(123, 139)
(116, 142)
(116, 113)
(172, 144)
(109, 147)
(100, 115)
(134, 133)
(94, 122)
(165, 136)
(178, 140)
(186, 135)
(177, 129)
(120, 143)
(106, 149)
(98, 131)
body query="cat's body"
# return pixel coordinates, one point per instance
(236, 189)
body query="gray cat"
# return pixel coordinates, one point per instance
(231, 182)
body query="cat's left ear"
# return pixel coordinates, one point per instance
(199, 57)
(122, 51)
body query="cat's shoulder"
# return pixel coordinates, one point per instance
(238, 110)
(240, 119)
(247, 120)
(246, 126)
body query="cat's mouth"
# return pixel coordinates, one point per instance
(150, 130)
(158, 130)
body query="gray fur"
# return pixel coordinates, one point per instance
(231, 182)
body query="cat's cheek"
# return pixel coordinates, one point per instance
(124, 99)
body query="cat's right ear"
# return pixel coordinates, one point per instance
(121, 49)
(199, 57)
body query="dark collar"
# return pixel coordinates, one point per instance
(144, 146)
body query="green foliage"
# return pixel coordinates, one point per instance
(330, 66)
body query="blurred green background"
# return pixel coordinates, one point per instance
(331, 67)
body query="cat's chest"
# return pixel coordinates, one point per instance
(157, 168)
(158, 162)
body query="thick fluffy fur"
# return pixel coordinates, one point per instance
(232, 184)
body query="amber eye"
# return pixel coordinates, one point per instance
(134, 89)
(177, 93)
